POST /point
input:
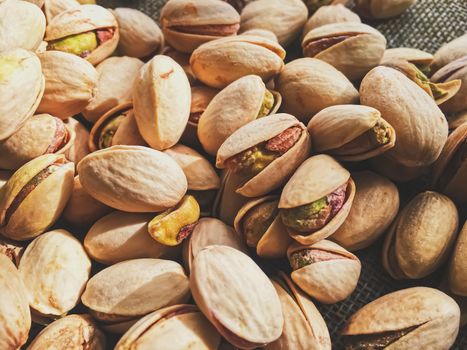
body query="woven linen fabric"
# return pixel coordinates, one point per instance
(427, 25)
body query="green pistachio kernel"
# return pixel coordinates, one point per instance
(257, 222)
(380, 133)
(307, 217)
(266, 106)
(78, 44)
(108, 131)
(435, 90)
(254, 160)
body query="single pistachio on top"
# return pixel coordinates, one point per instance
(220, 62)
(351, 47)
(265, 152)
(187, 24)
(307, 85)
(21, 88)
(449, 52)
(418, 57)
(140, 36)
(396, 171)
(413, 318)
(79, 149)
(458, 265)
(239, 103)
(89, 31)
(53, 8)
(317, 199)
(376, 9)
(421, 237)
(351, 132)
(221, 274)
(35, 196)
(161, 100)
(330, 14)
(324, 270)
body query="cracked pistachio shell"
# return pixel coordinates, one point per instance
(415, 56)
(177, 327)
(22, 25)
(458, 265)
(133, 178)
(53, 8)
(335, 126)
(21, 88)
(140, 36)
(45, 270)
(421, 237)
(161, 99)
(329, 280)
(361, 49)
(330, 14)
(70, 332)
(236, 296)
(121, 236)
(284, 18)
(255, 132)
(70, 84)
(428, 316)
(420, 126)
(79, 149)
(317, 177)
(14, 307)
(449, 52)
(42, 198)
(114, 85)
(85, 18)
(377, 9)
(307, 85)
(236, 105)
(37, 136)
(187, 24)
(375, 205)
(222, 61)
(395, 170)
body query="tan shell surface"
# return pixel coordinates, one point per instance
(136, 287)
(128, 132)
(449, 52)
(330, 14)
(79, 149)
(236, 296)
(45, 270)
(458, 265)
(133, 178)
(412, 55)
(53, 8)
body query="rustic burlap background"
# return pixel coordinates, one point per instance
(426, 26)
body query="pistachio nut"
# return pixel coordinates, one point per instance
(351, 47)
(45, 270)
(458, 265)
(79, 149)
(89, 31)
(421, 237)
(183, 59)
(12, 250)
(35, 196)
(222, 61)
(53, 8)
(317, 199)
(420, 126)
(133, 178)
(177, 327)
(161, 99)
(70, 332)
(330, 14)
(264, 33)
(140, 36)
(375, 9)
(121, 236)
(406, 319)
(396, 171)
(39, 3)
(324, 270)
(70, 84)
(21, 88)
(121, 294)
(374, 207)
(265, 152)
(114, 86)
(307, 85)
(22, 26)
(351, 132)
(82, 210)
(14, 307)
(449, 52)
(284, 18)
(239, 103)
(260, 226)
(222, 273)
(420, 58)
(187, 24)
(450, 169)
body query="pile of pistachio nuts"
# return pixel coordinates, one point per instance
(182, 184)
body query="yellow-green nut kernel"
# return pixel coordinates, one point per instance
(172, 226)
(266, 106)
(108, 132)
(79, 44)
(257, 221)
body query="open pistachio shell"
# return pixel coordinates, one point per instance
(330, 14)
(146, 181)
(45, 270)
(161, 98)
(374, 9)
(421, 237)
(449, 52)
(79, 149)
(70, 332)
(53, 8)
(458, 265)
(418, 57)
(403, 320)
(35, 196)
(236, 296)
(21, 88)
(242, 101)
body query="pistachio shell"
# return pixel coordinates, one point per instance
(375, 9)
(133, 178)
(183, 59)
(53, 8)
(395, 170)
(79, 149)
(457, 120)
(415, 56)
(11, 249)
(128, 132)
(236, 296)
(330, 14)
(449, 52)
(458, 265)
(264, 33)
